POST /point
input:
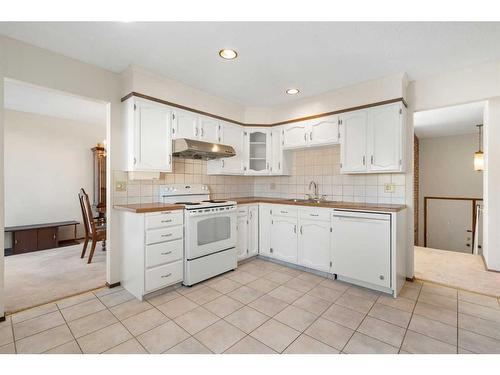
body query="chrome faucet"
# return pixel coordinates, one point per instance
(315, 189)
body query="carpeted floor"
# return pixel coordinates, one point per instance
(457, 270)
(44, 276)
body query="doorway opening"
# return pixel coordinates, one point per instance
(448, 199)
(55, 146)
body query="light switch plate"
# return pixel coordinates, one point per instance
(120, 186)
(389, 188)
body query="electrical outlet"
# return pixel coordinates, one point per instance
(389, 188)
(120, 186)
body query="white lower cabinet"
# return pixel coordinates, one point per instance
(265, 219)
(284, 234)
(247, 225)
(314, 242)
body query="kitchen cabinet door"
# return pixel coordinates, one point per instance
(295, 135)
(208, 129)
(258, 149)
(276, 151)
(253, 230)
(232, 135)
(284, 238)
(385, 138)
(185, 125)
(242, 237)
(265, 212)
(324, 131)
(314, 244)
(152, 135)
(361, 246)
(353, 128)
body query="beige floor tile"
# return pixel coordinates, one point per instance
(160, 299)
(268, 305)
(177, 307)
(464, 351)
(254, 270)
(330, 333)
(307, 345)
(104, 339)
(114, 299)
(8, 349)
(343, 316)
(75, 300)
(131, 346)
(478, 343)
(415, 284)
(329, 294)
(359, 304)
(437, 300)
(301, 285)
(434, 329)
(38, 324)
(219, 336)
(33, 313)
(249, 345)
(479, 311)
(144, 321)
(383, 331)
(6, 336)
(286, 294)
(130, 308)
(314, 305)
(225, 286)
(263, 285)
(311, 277)
(400, 303)
(241, 277)
(191, 289)
(480, 326)
(6, 322)
(162, 338)
(203, 296)
(91, 323)
(189, 346)
(363, 344)
(390, 314)
(223, 306)
(45, 340)
(82, 309)
(213, 280)
(436, 313)
(335, 284)
(278, 277)
(196, 320)
(245, 294)
(276, 335)
(409, 293)
(291, 271)
(105, 290)
(420, 344)
(363, 292)
(296, 318)
(246, 319)
(439, 290)
(478, 299)
(71, 347)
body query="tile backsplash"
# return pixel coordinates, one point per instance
(321, 165)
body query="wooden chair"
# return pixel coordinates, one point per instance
(94, 229)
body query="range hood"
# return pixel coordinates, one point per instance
(186, 148)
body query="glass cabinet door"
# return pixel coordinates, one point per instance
(258, 151)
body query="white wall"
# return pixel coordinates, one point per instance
(47, 160)
(447, 170)
(2, 246)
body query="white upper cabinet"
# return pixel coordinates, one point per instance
(353, 128)
(208, 129)
(149, 136)
(372, 140)
(295, 135)
(324, 131)
(258, 149)
(185, 124)
(232, 135)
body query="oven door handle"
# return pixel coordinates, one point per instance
(212, 213)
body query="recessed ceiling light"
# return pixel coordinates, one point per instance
(228, 54)
(292, 91)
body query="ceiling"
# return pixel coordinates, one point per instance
(273, 56)
(455, 120)
(24, 97)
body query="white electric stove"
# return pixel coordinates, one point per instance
(209, 231)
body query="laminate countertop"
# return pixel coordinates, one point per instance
(141, 208)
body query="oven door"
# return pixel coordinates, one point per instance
(209, 231)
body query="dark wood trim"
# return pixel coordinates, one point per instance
(474, 204)
(180, 106)
(114, 285)
(2, 318)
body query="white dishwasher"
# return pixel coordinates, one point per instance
(361, 246)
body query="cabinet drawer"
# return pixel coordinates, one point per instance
(242, 210)
(164, 219)
(164, 252)
(315, 214)
(287, 211)
(163, 234)
(163, 276)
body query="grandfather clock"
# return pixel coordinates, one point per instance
(99, 204)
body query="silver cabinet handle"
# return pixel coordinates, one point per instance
(295, 229)
(166, 235)
(311, 136)
(267, 165)
(372, 159)
(364, 160)
(196, 131)
(167, 253)
(305, 136)
(301, 229)
(313, 215)
(284, 212)
(166, 221)
(166, 212)
(222, 160)
(167, 275)
(202, 132)
(279, 165)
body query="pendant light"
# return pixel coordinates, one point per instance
(479, 155)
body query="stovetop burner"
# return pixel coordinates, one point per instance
(188, 203)
(214, 201)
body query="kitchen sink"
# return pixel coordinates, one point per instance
(306, 200)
